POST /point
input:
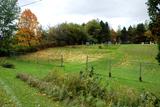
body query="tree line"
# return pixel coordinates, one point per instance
(27, 35)
(97, 32)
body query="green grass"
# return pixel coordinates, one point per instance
(125, 67)
(5, 99)
(25, 96)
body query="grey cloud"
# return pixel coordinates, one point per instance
(108, 8)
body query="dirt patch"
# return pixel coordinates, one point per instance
(68, 55)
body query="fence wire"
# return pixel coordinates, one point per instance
(106, 68)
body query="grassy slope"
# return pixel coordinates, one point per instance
(125, 68)
(21, 93)
(5, 99)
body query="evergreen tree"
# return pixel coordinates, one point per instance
(124, 35)
(108, 36)
(105, 32)
(140, 37)
(130, 34)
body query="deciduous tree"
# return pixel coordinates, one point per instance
(113, 36)
(28, 33)
(93, 28)
(9, 12)
(154, 13)
(68, 34)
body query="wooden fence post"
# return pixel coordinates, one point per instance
(110, 69)
(48, 59)
(140, 72)
(87, 63)
(62, 61)
(37, 59)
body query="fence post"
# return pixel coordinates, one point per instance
(61, 60)
(110, 69)
(48, 59)
(37, 58)
(87, 63)
(140, 72)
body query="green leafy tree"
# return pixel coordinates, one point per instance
(9, 13)
(93, 28)
(68, 34)
(154, 13)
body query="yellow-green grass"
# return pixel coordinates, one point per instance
(125, 67)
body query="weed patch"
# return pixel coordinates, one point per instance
(5, 100)
(87, 90)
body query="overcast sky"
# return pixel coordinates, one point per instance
(115, 12)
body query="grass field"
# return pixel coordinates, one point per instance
(123, 60)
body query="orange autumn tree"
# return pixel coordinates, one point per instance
(113, 36)
(28, 33)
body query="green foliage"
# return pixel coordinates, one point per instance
(158, 56)
(8, 65)
(46, 38)
(153, 9)
(125, 73)
(9, 13)
(24, 49)
(124, 35)
(131, 33)
(68, 34)
(154, 13)
(87, 89)
(74, 34)
(5, 100)
(105, 32)
(93, 28)
(140, 30)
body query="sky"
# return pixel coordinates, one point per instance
(115, 12)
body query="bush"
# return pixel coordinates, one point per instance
(8, 65)
(100, 47)
(29, 79)
(4, 52)
(87, 90)
(25, 49)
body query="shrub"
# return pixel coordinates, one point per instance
(8, 65)
(100, 47)
(29, 79)
(24, 77)
(87, 90)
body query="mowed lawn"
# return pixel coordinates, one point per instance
(124, 62)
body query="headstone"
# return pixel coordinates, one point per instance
(109, 42)
(1, 35)
(142, 43)
(87, 43)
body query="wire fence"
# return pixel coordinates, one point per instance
(107, 68)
